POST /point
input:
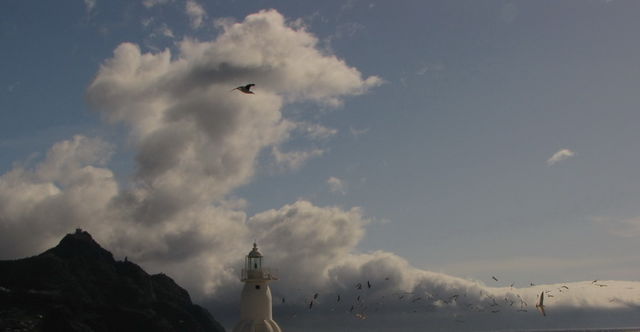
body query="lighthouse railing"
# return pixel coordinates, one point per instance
(260, 274)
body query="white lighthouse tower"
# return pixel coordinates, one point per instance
(255, 303)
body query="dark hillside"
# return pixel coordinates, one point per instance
(78, 286)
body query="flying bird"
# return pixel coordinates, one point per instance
(540, 304)
(494, 278)
(245, 88)
(494, 302)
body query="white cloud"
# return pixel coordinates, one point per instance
(560, 156)
(196, 13)
(316, 239)
(68, 188)
(336, 185)
(293, 160)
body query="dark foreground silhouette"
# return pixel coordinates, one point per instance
(78, 286)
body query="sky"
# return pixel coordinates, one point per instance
(427, 146)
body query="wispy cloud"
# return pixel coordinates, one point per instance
(358, 132)
(165, 31)
(161, 29)
(293, 160)
(153, 3)
(560, 156)
(509, 12)
(336, 185)
(12, 87)
(316, 131)
(89, 5)
(196, 13)
(437, 67)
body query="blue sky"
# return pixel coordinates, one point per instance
(442, 140)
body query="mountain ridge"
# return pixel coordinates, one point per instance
(79, 286)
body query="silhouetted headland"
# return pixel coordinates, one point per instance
(79, 286)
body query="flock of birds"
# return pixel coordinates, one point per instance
(362, 305)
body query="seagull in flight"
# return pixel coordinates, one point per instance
(540, 304)
(245, 88)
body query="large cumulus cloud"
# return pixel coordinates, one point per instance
(196, 141)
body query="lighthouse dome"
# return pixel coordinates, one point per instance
(254, 253)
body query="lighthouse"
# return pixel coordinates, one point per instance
(255, 302)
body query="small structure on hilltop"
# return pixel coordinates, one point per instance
(255, 303)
